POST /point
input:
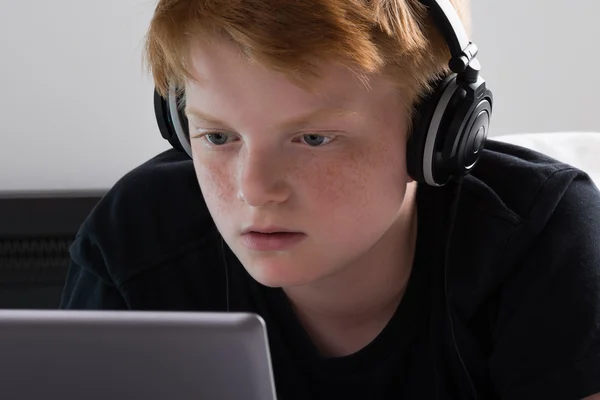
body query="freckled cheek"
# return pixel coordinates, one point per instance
(334, 185)
(217, 185)
(358, 186)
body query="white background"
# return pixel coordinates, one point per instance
(76, 105)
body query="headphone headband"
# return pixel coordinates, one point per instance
(463, 51)
(448, 21)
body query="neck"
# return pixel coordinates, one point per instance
(363, 297)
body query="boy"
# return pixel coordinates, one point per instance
(298, 205)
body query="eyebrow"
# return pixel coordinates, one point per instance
(295, 122)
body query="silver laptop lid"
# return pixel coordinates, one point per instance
(128, 355)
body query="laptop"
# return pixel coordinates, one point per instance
(64, 354)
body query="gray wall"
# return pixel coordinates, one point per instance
(543, 59)
(76, 107)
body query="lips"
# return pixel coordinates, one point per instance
(267, 229)
(270, 239)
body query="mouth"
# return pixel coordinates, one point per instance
(267, 230)
(270, 238)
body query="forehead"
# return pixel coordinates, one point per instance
(223, 76)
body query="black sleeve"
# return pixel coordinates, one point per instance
(88, 285)
(547, 337)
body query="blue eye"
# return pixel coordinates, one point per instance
(315, 140)
(217, 138)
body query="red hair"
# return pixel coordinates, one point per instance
(395, 37)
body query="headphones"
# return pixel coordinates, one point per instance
(450, 126)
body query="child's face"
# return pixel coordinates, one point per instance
(338, 179)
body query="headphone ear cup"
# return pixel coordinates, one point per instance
(163, 119)
(450, 131)
(471, 122)
(172, 122)
(420, 133)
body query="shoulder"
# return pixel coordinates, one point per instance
(516, 194)
(528, 198)
(523, 182)
(527, 237)
(154, 213)
(519, 205)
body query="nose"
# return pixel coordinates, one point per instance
(262, 179)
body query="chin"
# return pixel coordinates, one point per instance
(278, 273)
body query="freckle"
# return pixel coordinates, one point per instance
(215, 184)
